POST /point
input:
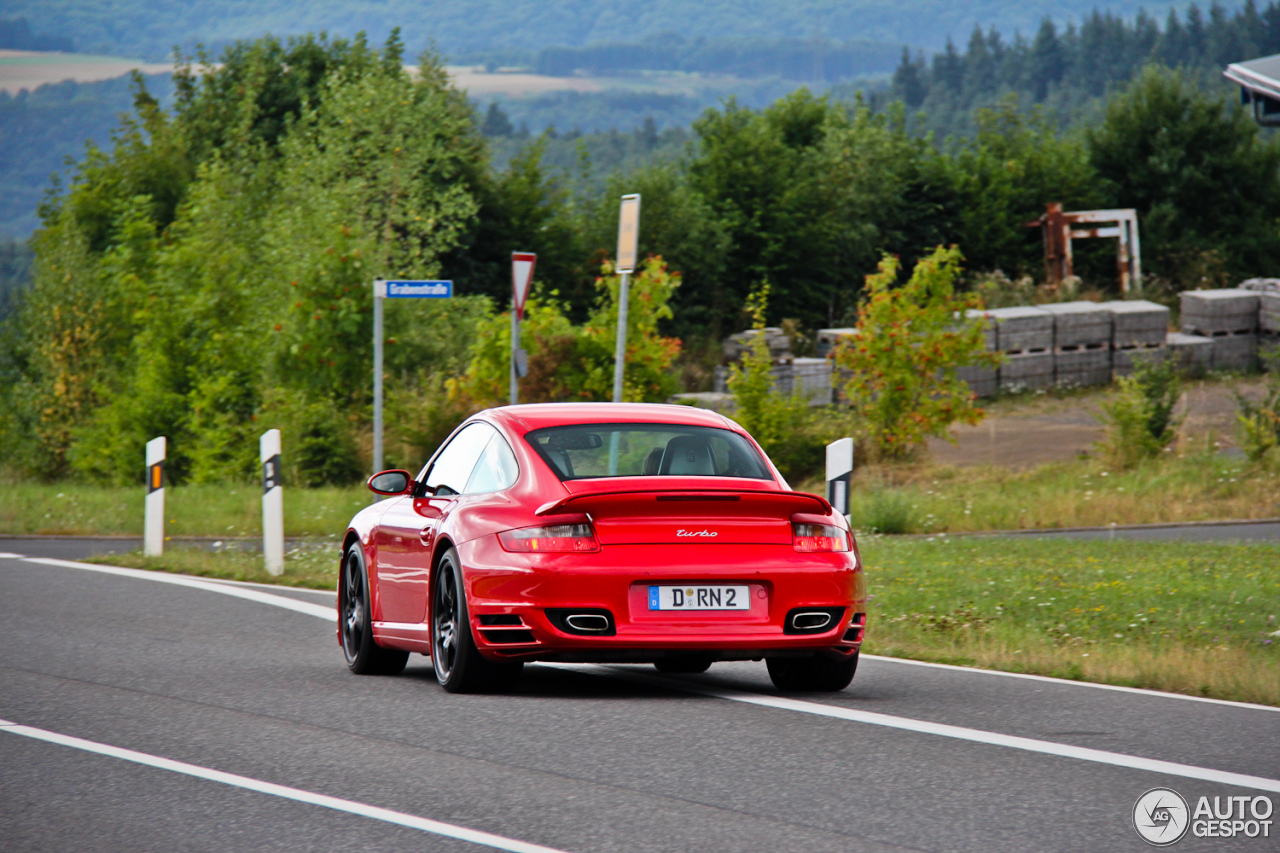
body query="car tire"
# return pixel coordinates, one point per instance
(817, 673)
(683, 665)
(355, 622)
(459, 666)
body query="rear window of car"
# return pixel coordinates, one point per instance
(590, 451)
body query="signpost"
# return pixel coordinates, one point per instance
(522, 264)
(272, 503)
(153, 521)
(628, 240)
(394, 289)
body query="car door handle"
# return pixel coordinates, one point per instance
(426, 535)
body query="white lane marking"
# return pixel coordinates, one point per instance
(780, 703)
(1154, 694)
(211, 584)
(1098, 756)
(7, 555)
(350, 806)
(276, 586)
(195, 583)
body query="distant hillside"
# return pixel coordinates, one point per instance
(150, 28)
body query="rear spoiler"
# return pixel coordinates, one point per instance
(804, 502)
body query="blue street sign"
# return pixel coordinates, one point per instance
(416, 289)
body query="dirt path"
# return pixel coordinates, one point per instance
(1021, 433)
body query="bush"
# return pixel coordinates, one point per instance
(1140, 422)
(886, 511)
(904, 387)
(783, 424)
(1260, 421)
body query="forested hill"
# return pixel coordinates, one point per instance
(150, 28)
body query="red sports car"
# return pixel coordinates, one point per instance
(606, 533)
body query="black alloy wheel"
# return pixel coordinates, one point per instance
(459, 666)
(355, 622)
(818, 673)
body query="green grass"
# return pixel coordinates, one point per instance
(1199, 619)
(220, 511)
(1080, 493)
(313, 565)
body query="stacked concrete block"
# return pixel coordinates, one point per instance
(1230, 317)
(1081, 343)
(1269, 312)
(736, 346)
(809, 377)
(1138, 330)
(829, 339)
(1193, 353)
(1268, 290)
(1025, 336)
(982, 381)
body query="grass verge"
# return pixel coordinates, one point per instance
(928, 498)
(1197, 620)
(312, 565)
(230, 510)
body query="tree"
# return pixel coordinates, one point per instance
(903, 387)
(575, 363)
(1204, 181)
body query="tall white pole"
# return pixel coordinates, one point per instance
(272, 503)
(620, 349)
(379, 291)
(153, 525)
(515, 348)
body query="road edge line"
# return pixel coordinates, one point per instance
(435, 827)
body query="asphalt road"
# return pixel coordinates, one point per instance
(243, 680)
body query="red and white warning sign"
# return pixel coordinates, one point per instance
(522, 264)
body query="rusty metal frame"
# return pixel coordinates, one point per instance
(1057, 228)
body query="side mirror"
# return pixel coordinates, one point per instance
(393, 482)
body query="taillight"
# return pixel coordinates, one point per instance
(552, 538)
(818, 537)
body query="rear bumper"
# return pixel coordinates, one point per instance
(517, 590)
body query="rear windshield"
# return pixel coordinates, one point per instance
(647, 450)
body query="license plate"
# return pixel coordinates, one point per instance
(699, 598)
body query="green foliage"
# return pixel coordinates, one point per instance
(1140, 421)
(886, 511)
(1260, 419)
(1201, 176)
(781, 423)
(1003, 176)
(569, 362)
(903, 386)
(208, 278)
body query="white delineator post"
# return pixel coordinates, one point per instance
(839, 473)
(272, 503)
(153, 527)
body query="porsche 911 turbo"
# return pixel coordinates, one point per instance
(600, 532)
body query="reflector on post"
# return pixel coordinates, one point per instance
(272, 503)
(839, 473)
(153, 523)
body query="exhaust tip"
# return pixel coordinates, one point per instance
(594, 623)
(587, 621)
(812, 620)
